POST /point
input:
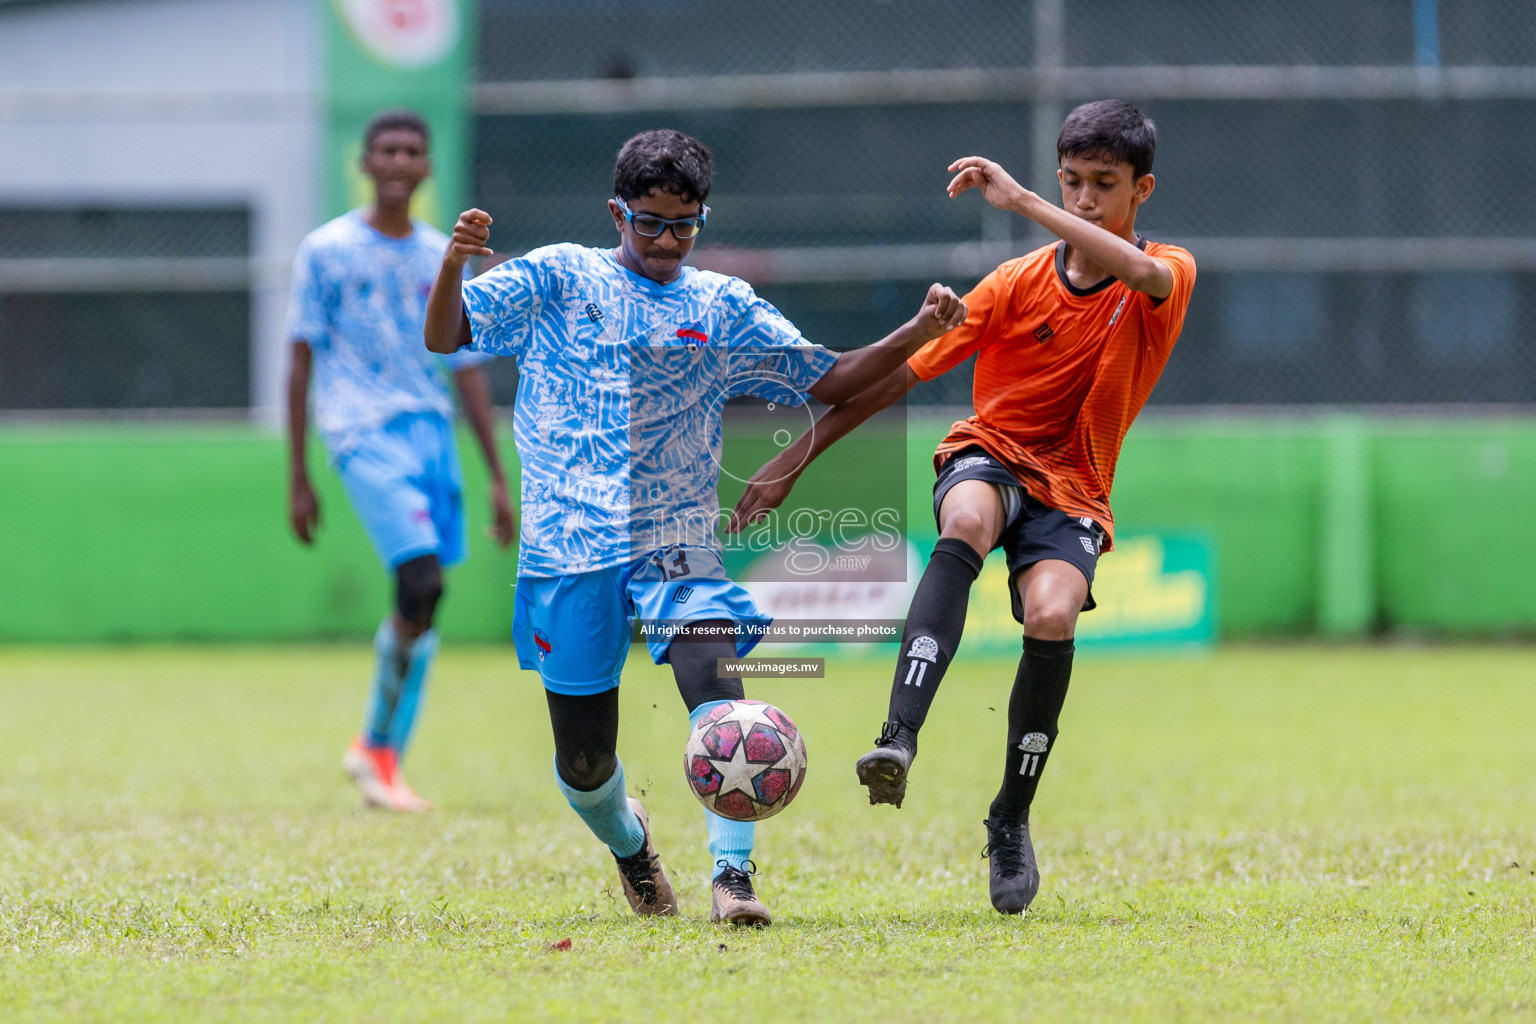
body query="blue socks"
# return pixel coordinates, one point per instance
(607, 812)
(423, 653)
(730, 842)
(399, 675)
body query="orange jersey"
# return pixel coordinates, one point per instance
(1060, 372)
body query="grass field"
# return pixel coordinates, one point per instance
(1292, 834)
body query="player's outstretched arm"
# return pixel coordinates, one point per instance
(857, 370)
(475, 394)
(303, 506)
(1139, 271)
(447, 327)
(770, 485)
(860, 384)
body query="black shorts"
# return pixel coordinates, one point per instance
(1034, 531)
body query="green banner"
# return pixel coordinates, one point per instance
(398, 53)
(140, 532)
(1153, 590)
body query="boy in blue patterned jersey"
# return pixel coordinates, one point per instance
(360, 286)
(627, 357)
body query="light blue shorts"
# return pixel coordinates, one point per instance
(406, 486)
(575, 631)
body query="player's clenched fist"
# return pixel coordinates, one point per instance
(942, 312)
(470, 236)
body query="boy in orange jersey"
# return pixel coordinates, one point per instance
(1069, 341)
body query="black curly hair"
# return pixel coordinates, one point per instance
(666, 161)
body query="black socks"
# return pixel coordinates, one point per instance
(1039, 690)
(934, 624)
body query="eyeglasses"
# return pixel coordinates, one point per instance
(651, 226)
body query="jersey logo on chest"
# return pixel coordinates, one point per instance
(1044, 333)
(1116, 315)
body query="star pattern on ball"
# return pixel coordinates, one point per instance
(745, 760)
(737, 773)
(751, 713)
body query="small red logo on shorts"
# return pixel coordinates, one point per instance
(543, 643)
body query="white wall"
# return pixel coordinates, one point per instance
(183, 100)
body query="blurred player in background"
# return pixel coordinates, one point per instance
(626, 358)
(383, 409)
(1069, 341)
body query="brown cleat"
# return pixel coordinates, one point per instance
(733, 901)
(645, 883)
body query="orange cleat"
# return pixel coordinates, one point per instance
(376, 770)
(406, 798)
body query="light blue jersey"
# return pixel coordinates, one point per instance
(620, 397)
(359, 299)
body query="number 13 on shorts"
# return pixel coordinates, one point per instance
(673, 562)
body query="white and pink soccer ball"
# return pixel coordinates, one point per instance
(745, 760)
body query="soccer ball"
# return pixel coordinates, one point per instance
(745, 760)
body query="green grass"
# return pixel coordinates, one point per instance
(1292, 834)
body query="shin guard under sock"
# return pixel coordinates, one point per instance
(418, 670)
(730, 842)
(934, 624)
(391, 663)
(607, 812)
(1039, 691)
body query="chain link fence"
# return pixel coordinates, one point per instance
(1331, 166)
(1350, 178)
(124, 308)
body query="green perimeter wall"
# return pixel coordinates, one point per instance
(1332, 526)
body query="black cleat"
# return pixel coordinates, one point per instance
(1015, 878)
(884, 769)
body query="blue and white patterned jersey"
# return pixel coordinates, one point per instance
(620, 397)
(359, 299)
